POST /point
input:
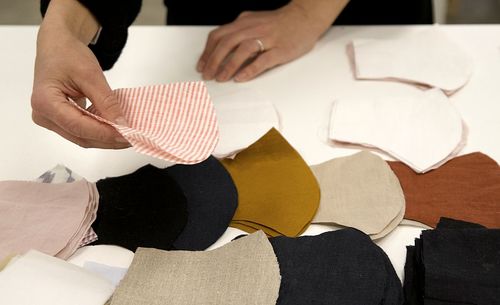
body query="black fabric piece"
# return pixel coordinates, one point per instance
(340, 267)
(143, 209)
(212, 199)
(448, 223)
(115, 16)
(357, 12)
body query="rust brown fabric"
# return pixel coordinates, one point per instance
(465, 188)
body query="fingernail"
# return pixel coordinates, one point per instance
(121, 140)
(242, 76)
(121, 121)
(207, 77)
(222, 76)
(200, 66)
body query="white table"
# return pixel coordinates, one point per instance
(302, 91)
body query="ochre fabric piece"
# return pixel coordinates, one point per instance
(358, 191)
(276, 188)
(5, 261)
(245, 271)
(466, 188)
(174, 122)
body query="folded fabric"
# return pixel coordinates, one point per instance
(244, 271)
(113, 274)
(457, 263)
(410, 59)
(62, 174)
(423, 130)
(466, 188)
(212, 199)
(276, 188)
(36, 278)
(174, 122)
(339, 267)
(146, 208)
(244, 116)
(359, 191)
(51, 218)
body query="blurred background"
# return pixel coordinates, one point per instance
(153, 12)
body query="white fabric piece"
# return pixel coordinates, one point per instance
(423, 130)
(428, 57)
(39, 279)
(59, 174)
(103, 254)
(111, 273)
(244, 116)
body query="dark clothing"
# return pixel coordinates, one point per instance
(116, 16)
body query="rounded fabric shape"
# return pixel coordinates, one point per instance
(143, 209)
(212, 199)
(359, 191)
(277, 191)
(339, 267)
(465, 188)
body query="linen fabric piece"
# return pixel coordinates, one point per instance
(408, 59)
(146, 208)
(212, 199)
(276, 188)
(465, 188)
(36, 278)
(51, 218)
(174, 122)
(339, 267)
(359, 191)
(244, 116)
(423, 130)
(244, 271)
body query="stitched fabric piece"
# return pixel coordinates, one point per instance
(408, 59)
(145, 208)
(465, 188)
(340, 267)
(423, 130)
(36, 278)
(174, 122)
(276, 188)
(212, 199)
(244, 271)
(51, 218)
(358, 191)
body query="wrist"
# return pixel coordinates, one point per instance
(320, 13)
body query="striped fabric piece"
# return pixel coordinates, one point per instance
(174, 122)
(89, 238)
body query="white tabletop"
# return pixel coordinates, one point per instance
(302, 92)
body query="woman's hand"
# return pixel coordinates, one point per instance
(258, 41)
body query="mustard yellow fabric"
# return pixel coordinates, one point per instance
(5, 261)
(277, 191)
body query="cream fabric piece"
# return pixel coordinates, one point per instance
(423, 130)
(358, 191)
(411, 59)
(103, 254)
(39, 279)
(244, 117)
(245, 271)
(392, 225)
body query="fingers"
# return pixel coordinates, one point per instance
(263, 62)
(246, 51)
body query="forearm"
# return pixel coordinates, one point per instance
(322, 12)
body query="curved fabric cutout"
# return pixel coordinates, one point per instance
(276, 188)
(212, 199)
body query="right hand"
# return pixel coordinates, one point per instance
(66, 67)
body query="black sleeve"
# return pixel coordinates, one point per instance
(114, 16)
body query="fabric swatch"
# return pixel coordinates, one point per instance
(244, 271)
(465, 188)
(111, 273)
(408, 59)
(36, 278)
(174, 122)
(339, 267)
(276, 188)
(51, 218)
(359, 191)
(244, 116)
(423, 130)
(146, 208)
(212, 199)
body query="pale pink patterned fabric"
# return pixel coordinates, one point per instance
(174, 122)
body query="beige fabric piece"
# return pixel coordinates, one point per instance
(391, 226)
(245, 271)
(414, 223)
(358, 191)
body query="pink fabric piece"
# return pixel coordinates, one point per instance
(174, 122)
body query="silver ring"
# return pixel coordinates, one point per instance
(261, 45)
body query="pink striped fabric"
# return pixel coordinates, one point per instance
(174, 122)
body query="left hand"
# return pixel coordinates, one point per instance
(233, 50)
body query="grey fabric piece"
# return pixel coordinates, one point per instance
(242, 272)
(359, 191)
